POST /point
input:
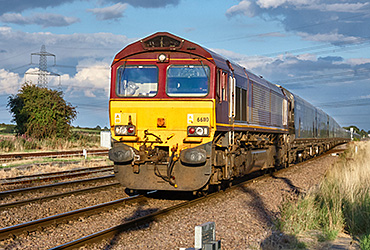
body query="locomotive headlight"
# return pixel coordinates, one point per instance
(193, 156)
(162, 58)
(124, 130)
(198, 131)
(120, 130)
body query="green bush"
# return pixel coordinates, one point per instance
(365, 242)
(41, 112)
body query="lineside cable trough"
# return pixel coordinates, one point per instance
(205, 238)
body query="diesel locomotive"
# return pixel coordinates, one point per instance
(184, 118)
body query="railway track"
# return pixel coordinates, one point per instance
(129, 224)
(69, 153)
(55, 175)
(38, 189)
(109, 232)
(44, 222)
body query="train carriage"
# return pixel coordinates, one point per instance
(185, 118)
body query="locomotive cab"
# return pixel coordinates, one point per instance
(162, 115)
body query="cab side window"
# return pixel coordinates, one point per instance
(222, 82)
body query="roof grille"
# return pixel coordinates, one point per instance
(162, 41)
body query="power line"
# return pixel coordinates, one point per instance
(336, 49)
(352, 115)
(294, 28)
(19, 54)
(82, 67)
(20, 67)
(345, 103)
(85, 48)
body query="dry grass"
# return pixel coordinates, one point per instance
(23, 143)
(340, 203)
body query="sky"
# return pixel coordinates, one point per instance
(317, 49)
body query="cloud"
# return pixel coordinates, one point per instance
(245, 8)
(92, 78)
(17, 6)
(334, 20)
(68, 48)
(331, 37)
(43, 19)
(305, 70)
(339, 7)
(21, 5)
(276, 3)
(358, 61)
(147, 3)
(111, 12)
(272, 34)
(80, 75)
(9, 82)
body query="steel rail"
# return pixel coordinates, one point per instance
(51, 154)
(59, 195)
(106, 233)
(33, 225)
(55, 173)
(95, 237)
(54, 185)
(53, 176)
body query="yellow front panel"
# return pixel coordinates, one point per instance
(166, 119)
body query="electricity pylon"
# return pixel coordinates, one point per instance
(42, 73)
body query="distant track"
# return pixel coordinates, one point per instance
(55, 175)
(18, 156)
(58, 195)
(13, 192)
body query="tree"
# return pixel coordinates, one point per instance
(355, 129)
(41, 112)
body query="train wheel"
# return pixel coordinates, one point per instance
(202, 192)
(131, 192)
(226, 184)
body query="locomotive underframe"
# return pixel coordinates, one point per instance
(155, 168)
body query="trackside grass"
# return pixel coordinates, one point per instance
(340, 203)
(12, 143)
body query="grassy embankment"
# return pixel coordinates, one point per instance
(79, 138)
(340, 203)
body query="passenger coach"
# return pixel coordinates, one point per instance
(184, 118)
